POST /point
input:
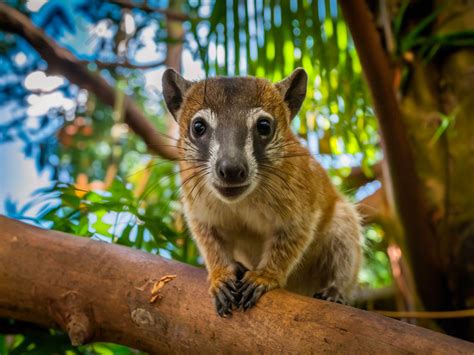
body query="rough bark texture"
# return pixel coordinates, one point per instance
(63, 62)
(98, 291)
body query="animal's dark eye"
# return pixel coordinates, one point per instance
(264, 127)
(199, 127)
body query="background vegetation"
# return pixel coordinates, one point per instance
(105, 183)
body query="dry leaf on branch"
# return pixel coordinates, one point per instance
(155, 292)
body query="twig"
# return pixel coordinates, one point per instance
(465, 313)
(173, 15)
(112, 65)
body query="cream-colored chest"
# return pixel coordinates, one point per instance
(245, 227)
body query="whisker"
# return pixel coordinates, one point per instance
(204, 181)
(166, 162)
(157, 183)
(293, 156)
(267, 186)
(197, 175)
(166, 135)
(273, 170)
(281, 145)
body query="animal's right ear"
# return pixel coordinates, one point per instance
(174, 88)
(293, 90)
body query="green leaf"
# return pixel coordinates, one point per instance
(446, 121)
(100, 226)
(124, 238)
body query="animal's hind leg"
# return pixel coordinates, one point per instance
(339, 255)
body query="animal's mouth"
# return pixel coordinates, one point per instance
(231, 191)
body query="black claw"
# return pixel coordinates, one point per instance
(223, 309)
(218, 307)
(250, 295)
(259, 291)
(331, 294)
(245, 295)
(231, 284)
(228, 294)
(226, 298)
(245, 288)
(222, 298)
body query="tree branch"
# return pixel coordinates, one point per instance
(357, 177)
(98, 291)
(374, 208)
(170, 14)
(112, 65)
(63, 62)
(408, 198)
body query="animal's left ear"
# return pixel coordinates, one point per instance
(293, 90)
(174, 88)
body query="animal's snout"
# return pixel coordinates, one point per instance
(232, 171)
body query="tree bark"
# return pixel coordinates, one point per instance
(431, 174)
(63, 62)
(441, 86)
(100, 292)
(408, 196)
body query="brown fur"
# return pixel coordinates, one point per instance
(294, 230)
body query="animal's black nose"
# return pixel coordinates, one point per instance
(232, 171)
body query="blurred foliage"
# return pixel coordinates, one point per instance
(376, 272)
(269, 38)
(35, 340)
(105, 185)
(142, 215)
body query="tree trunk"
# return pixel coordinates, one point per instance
(431, 178)
(100, 292)
(445, 166)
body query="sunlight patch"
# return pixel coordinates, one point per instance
(39, 81)
(35, 5)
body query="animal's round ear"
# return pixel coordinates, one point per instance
(293, 90)
(174, 88)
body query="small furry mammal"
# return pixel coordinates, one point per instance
(262, 210)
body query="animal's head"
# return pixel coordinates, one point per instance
(234, 129)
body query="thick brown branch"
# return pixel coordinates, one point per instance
(62, 61)
(357, 177)
(101, 292)
(366, 295)
(374, 208)
(408, 198)
(170, 14)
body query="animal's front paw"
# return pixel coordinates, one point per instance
(331, 294)
(254, 285)
(224, 291)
